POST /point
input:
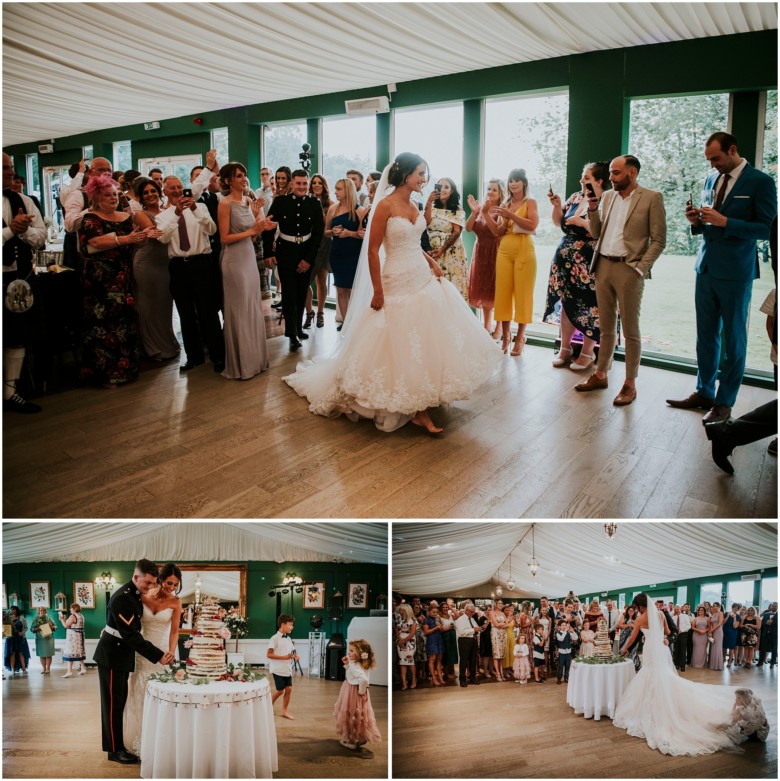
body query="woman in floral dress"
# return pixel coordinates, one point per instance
(446, 221)
(405, 643)
(571, 292)
(74, 641)
(111, 347)
(498, 636)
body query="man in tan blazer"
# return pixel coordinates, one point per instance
(629, 226)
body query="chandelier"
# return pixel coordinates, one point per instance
(105, 581)
(610, 529)
(533, 565)
(510, 584)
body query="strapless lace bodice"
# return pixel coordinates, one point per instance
(405, 269)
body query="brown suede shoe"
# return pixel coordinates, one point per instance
(592, 383)
(694, 401)
(626, 396)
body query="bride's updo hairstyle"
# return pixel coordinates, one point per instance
(404, 165)
(170, 569)
(640, 600)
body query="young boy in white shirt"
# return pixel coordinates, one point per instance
(281, 652)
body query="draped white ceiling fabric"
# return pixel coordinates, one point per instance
(451, 559)
(74, 67)
(184, 542)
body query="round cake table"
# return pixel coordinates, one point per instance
(220, 730)
(595, 689)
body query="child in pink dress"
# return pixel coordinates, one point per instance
(522, 666)
(355, 720)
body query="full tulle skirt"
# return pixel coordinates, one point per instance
(355, 720)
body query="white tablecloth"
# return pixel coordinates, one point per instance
(595, 689)
(221, 730)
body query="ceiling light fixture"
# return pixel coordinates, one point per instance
(533, 565)
(610, 529)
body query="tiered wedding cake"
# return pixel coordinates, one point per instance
(601, 644)
(207, 655)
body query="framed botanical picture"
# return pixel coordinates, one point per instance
(40, 594)
(5, 598)
(84, 594)
(357, 596)
(314, 596)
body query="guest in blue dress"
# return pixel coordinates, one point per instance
(16, 654)
(343, 225)
(432, 627)
(730, 626)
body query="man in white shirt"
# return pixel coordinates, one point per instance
(680, 648)
(265, 190)
(629, 225)
(23, 232)
(186, 228)
(466, 629)
(73, 206)
(612, 616)
(281, 652)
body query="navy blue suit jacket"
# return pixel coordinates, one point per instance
(730, 253)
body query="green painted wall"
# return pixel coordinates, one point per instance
(261, 575)
(600, 86)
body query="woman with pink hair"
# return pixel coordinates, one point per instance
(111, 347)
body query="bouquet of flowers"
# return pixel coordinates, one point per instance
(240, 674)
(236, 623)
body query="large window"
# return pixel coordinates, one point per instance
(530, 133)
(348, 143)
(282, 144)
(710, 592)
(123, 158)
(219, 141)
(739, 591)
(435, 133)
(33, 176)
(668, 137)
(768, 592)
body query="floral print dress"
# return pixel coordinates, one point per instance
(571, 286)
(111, 348)
(406, 650)
(453, 262)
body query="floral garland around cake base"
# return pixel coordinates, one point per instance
(614, 659)
(177, 673)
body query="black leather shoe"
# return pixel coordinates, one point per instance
(464, 685)
(303, 336)
(123, 757)
(185, 367)
(219, 366)
(717, 434)
(295, 345)
(18, 404)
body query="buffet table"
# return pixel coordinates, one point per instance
(596, 689)
(222, 730)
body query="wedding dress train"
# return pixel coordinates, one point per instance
(675, 715)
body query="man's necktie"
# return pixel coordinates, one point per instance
(721, 192)
(184, 239)
(678, 625)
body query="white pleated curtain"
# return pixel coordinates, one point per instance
(183, 541)
(52, 88)
(462, 558)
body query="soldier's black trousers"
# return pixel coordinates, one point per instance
(113, 695)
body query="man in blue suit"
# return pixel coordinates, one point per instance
(744, 206)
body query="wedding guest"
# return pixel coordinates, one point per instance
(563, 644)
(716, 633)
(17, 651)
(572, 288)
(445, 220)
(485, 640)
(586, 638)
(357, 179)
(74, 640)
(686, 610)
(355, 720)
(680, 647)
(281, 652)
(434, 645)
(498, 638)
(522, 666)
(538, 653)
(549, 626)
(700, 627)
(421, 648)
(514, 222)
(450, 656)
(405, 644)
(240, 221)
(509, 653)
(111, 344)
(152, 280)
(626, 625)
(730, 627)
(44, 646)
(482, 273)
(342, 224)
(318, 187)
(749, 634)
(612, 616)
(768, 635)
(592, 616)
(466, 629)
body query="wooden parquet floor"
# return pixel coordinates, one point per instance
(503, 730)
(525, 445)
(51, 729)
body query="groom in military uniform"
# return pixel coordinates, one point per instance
(115, 656)
(301, 226)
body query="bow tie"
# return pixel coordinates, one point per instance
(285, 635)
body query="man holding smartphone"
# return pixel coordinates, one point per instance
(743, 207)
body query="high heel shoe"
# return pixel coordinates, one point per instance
(581, 367)
(521, 343)
(505, 343)
(563, 358)
(497, 332)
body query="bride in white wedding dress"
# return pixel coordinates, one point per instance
(409, 342)
(672, 714)
(160, 626)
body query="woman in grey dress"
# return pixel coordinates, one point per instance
(152, 282)
(240, 220)
(716, 632)
(700, 628)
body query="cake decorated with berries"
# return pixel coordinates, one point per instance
(207, 653)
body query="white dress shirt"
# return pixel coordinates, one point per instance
(612, 240)
(73, 210)
(35, 235)
(199, 227)
(465, 626)
(67, 189)
(733, 176)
